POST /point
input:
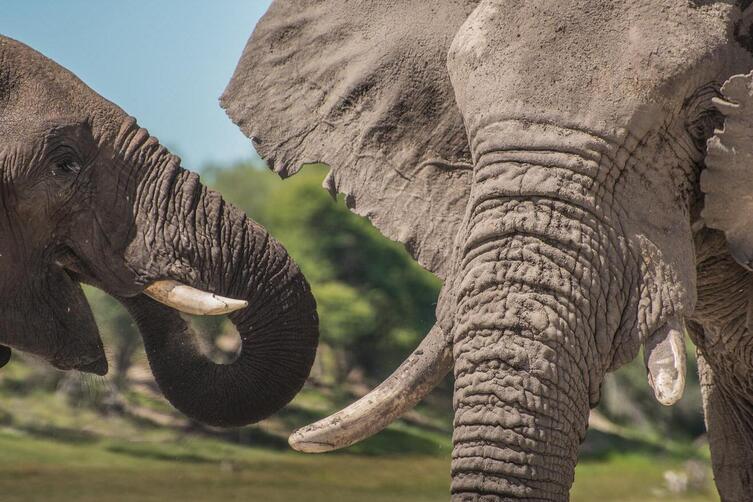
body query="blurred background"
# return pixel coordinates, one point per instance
(77, 437)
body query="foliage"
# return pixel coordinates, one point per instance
(375, 302)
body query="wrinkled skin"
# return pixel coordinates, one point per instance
(88, 196)
(560, 146)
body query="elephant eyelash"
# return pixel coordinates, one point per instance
(68, 167)
(64, 158)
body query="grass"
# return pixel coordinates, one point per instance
(53, 449)
(205, 470)
(201, 469)
(632, 478)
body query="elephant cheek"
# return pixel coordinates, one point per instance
(50, 318)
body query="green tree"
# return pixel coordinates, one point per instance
(375, 302)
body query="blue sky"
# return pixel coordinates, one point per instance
(165, 62)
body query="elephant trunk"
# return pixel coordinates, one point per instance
(535, 318)
(521, 404)
(197, 239)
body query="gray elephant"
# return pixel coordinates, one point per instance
(548, 161)
(89, 197)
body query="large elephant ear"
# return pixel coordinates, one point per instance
(363, 87)
(727, 180)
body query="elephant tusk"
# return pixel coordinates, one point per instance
(411, 382)
(191, 300)
(664, 354)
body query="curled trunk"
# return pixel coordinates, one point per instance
(199, 240)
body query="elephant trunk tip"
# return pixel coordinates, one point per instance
(665, 360)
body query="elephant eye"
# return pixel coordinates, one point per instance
(68, 167)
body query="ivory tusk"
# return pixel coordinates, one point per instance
(665, 358)
(191, 300)
(411, 382)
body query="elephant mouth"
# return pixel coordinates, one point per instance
(76, 268)
(181, 297)
(96, 365)
(176, 295)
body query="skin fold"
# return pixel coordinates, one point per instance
(576, 172)
(89, 197)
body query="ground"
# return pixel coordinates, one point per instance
(56, 444)
(191, 469)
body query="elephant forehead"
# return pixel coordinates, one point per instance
(535, 53)
(35, 91)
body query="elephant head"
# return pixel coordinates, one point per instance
(547, 161)
(90, 197)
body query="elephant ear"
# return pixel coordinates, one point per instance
(363, 87)
(727, 181)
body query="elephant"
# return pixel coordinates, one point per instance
(579, 176)
(90, 197)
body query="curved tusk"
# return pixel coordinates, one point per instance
(411, 382)
(665, 358)
(191, 300)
